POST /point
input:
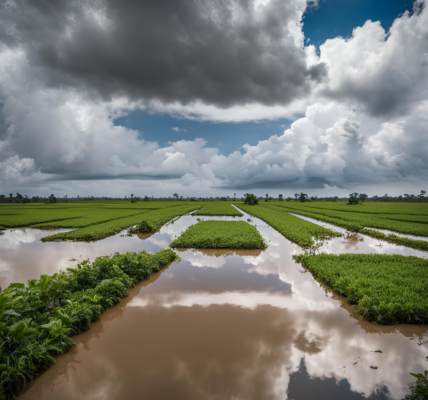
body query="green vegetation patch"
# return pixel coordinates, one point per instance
(154, 220)
(389, 289)
(380, 221)
(37, 321)
(293, 228)
(220, 235)
(218, 208)
(93, 219)
(95, 232)
(356, 226)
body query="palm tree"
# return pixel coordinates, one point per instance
(175, 196)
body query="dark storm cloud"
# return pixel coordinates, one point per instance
(101, 177)
(311, 183)
(219, 52)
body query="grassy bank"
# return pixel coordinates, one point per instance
(37, 320)
(293, 228)
(389, 289)
(220, 235)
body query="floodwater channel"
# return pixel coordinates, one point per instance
(222, 324)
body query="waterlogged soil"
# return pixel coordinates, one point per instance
(226, 324)
(338, 229)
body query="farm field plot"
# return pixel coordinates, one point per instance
(361, 220)
(293, 228)
(389, 289)
(95, 217)
(241, 292)
(220, 235)
(154, 220)
(365, 208)
(97, 231)
(217, 208)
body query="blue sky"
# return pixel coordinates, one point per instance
(330, 19)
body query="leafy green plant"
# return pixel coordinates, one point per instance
(37, 320)
(418, 389)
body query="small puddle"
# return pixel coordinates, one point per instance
(225, 324)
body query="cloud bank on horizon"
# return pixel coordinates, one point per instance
(68, 69)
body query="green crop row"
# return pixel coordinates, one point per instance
(293, 228)
(37, 321)
(217, 208)
(355, 227)
(96, 232)
(89, 220)
(220, 235)
(364, 220)
(388, 289)
(153, 221)
(365, 208)
(391, 238)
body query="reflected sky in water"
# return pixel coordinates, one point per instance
(225, 324)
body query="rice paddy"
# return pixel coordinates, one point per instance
(218, 208)
(293, 228)
(38, 318)
(389, 289)
(220, 235)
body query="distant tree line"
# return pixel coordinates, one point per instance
(354, 198)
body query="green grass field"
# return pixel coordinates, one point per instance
(415, 225)
(220, 235)
(389, 289)
(293, 228)
(154, 220)
(218, 208)
(356, 221)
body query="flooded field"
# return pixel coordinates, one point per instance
(222, 324)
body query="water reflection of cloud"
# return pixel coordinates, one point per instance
(12, 239)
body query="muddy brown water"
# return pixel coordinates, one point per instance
(222, 324)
